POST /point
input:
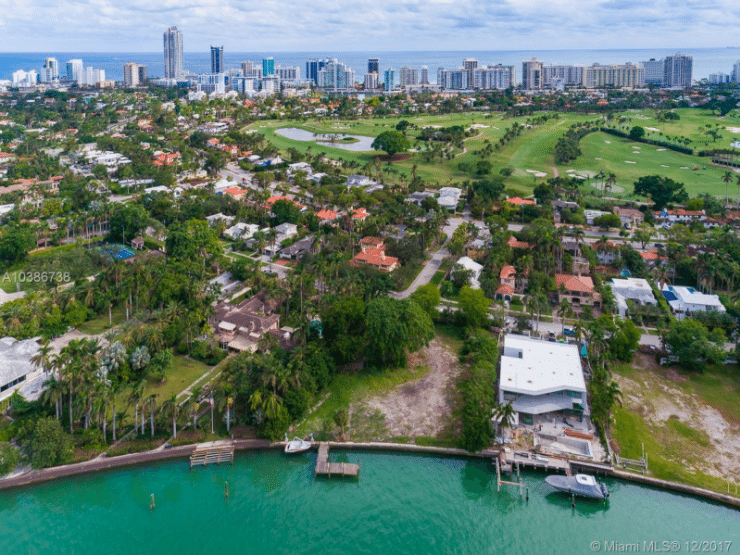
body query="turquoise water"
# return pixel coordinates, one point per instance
(402, 504)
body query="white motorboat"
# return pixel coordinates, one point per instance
(580, 484)
(297, 445)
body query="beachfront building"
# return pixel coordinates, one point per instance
(618, 76)
(532, 75)
(497, 77)
(173, 65)
(685, 301)
(654, 71)
(678, 71)
(541, 379)
(335, 76)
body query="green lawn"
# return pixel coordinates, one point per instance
(182, 373)
(718, 387)
(100, 323)
(532, 150)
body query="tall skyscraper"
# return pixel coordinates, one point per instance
(217, 59)
(313, 66)
(373, 65)
(532, 75)
(335, 75)
(74, 71)
(654, 71)
(736, 72)
(268, 67)
(50, 71)
(469, 65)
(408, 76)
(389, 79)
(678, 71)
(371, 81)
(173, 66)
(424, 77)
(134, 74)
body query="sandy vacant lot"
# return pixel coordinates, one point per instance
(654, 395)
(422, 407)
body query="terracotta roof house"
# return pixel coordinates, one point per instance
(359, 214)
(508, 276)
(236, 192)
(578, 291)
(371, 243)
(164, 159)
(239, 327)
(514, 244)
(518, 201)
(326, 215)
(375, 257)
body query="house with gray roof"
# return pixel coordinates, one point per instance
(15, 363)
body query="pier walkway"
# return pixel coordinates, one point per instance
(212, 452)
(326, 468)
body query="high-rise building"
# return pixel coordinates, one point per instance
(288, 73)
(217, 59)
(560, 76)
(371, 81)
(91, 76)
(389, 79)
(424, 77)
(736, 72)
(335, 75)
(24, 79)
(719, 78)
(134, 74)
(654, 71)
(313, 66)
(50, 71)
(613, 75)
(268, 67)
(408, 76)
(494, 77)
(532, 75)
(212, 83)
(455, 79)
(373, 65)
(173, 66)
(678, 71)
(469, 65)
(74, 71)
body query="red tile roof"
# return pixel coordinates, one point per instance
(505, 290)
(514, 244)
(520, 201)
(327, 214)
(359, 214)
(582, 284)
(375, 257)
(508, 272)
(371, 241)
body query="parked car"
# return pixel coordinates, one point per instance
(569, 331)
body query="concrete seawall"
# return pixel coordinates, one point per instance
(185, 451)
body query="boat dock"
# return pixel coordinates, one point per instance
(548, 463)
(326, 468)
(213, 452)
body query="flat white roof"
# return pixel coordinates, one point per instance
(544, 366)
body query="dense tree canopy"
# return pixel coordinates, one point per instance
(662, 190)
(394, 327)
(392, 142)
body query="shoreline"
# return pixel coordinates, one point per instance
(184, 451)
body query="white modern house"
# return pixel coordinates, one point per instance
(541, 378)
(241, 231)
(470, 264)
(686, 300)
(449, 197)
(634, 289)
(15, 363)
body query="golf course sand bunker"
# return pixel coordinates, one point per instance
(661, 149)
(733, 129)
(608, 142)
(653, 129)
(536, 173)
(630, 162)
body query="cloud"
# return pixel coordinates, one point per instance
(280, 25)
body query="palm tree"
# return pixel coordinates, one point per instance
(504, 414)
(152, 399)
(564, 311)
(54, 393)
(727, 178)
(611, 180)
(173, 407)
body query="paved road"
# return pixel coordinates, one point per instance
(431, 267)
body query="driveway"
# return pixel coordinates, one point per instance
(431, 267)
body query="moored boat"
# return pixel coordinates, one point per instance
(297, 445)
(580, 484)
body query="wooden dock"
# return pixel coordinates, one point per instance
(326, 468)
(214, 452)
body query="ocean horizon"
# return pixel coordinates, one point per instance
(706, 60)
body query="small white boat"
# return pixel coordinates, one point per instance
(297, 445)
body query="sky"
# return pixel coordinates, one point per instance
(313, 25)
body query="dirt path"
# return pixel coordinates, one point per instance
(419, 408)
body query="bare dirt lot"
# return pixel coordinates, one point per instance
(422, 407)
(692, 431)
